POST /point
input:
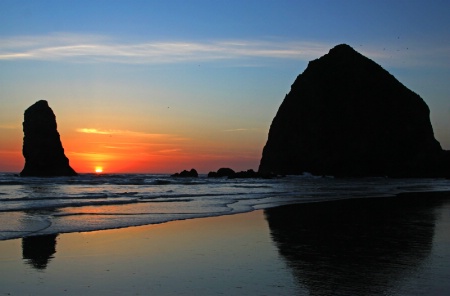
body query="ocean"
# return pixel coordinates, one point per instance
(88, 202)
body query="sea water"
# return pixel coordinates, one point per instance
(35, 206)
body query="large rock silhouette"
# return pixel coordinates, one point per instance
(42, 148)
(347, 116)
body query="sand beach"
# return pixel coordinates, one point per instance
(394, 246)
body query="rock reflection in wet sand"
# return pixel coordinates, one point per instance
(37, 251)
(356, 247)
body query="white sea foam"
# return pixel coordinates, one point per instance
(33, 206)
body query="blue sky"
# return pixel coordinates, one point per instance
(213, 72)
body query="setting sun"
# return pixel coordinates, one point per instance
(98, 170)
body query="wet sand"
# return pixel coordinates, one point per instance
(373, 246)
(229, 255)
(395, 246)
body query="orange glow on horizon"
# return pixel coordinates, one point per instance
(92, 150)
(118, 151)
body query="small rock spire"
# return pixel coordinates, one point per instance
(42, 148)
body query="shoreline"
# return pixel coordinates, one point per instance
(412, 195)
(394, 245)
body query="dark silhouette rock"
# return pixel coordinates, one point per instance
(42, 148)
(222, 172)
(186, 174)
(247, 174)
(347, 116)
(212, 175)
(231, 174)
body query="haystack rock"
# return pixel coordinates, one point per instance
(347, 116)
(42, 148)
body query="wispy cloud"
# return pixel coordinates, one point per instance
(94, 131)
(127, 133)
(88, 48)
(93, 156)
(79, 48)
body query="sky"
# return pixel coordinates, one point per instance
(163, 86)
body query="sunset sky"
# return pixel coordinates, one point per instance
(162, 86)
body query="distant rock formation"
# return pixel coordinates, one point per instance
(42, 148)
(231, 174)
(247, 174)
(222, 172)
(347, 116)
(186, 174)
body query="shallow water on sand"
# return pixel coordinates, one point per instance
(376, 246)
(89, 202)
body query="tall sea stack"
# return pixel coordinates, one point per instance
(347, 116)
(42, 148)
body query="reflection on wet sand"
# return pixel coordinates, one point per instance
(37, 251)
(355, 247)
